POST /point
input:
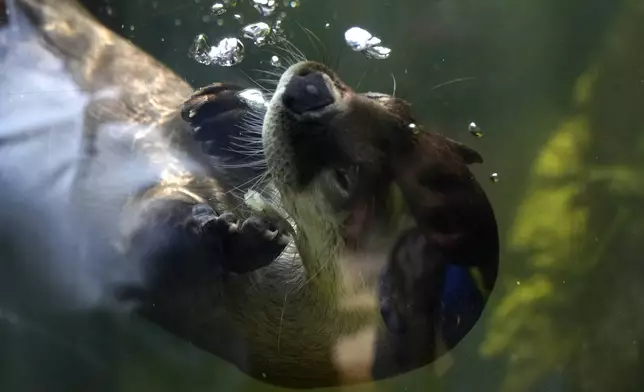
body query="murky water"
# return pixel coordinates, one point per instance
(549, 92)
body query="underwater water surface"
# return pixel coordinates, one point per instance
(550, 92)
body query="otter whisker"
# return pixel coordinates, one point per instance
(253, 81)
(279, 50)
(361, 79)
(279, 329)
(299, 55)
(393, 94)
(288, 47)
(271, 73)
(336, 66)
(269, 81)
(458, 80)
(310, 35)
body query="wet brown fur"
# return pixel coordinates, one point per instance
(279, 324)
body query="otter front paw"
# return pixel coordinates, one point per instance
(217, 113)
(213, 108)
(246, 245)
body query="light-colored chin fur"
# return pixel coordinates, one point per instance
(348, 277)
(318, 239)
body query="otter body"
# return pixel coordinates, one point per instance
(364, 274)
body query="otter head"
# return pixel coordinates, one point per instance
(355, 170)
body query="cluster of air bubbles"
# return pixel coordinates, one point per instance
(258, 32)
(218, 9)
(360, 40)
(228, 52)
(265, 7)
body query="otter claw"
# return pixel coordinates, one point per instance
(247, 245)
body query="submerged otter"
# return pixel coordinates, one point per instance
(373, 254)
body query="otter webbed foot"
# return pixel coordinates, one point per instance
(247, 245)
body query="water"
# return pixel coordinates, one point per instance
(557, 90)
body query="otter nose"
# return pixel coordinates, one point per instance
(306, 93)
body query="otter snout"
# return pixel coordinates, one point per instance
(307, 92)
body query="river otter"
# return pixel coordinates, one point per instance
(379, 252)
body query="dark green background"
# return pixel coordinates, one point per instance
(558, 87)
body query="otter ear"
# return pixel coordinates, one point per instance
(468, 154)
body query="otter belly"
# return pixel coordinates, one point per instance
(42, 135)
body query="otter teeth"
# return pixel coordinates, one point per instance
(270, 234)
(274, 235)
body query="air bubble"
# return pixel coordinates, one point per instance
(294, 4)
(413, 127)
(275, 61)
(218, 9)
(220, 22)
(200, 49)
(257, 32)
(475, 130)
(494, 177)
(265, 7)
(228, 52)
(277, 26)
(327, 25)
(239, 18)
(377, 52)
(360, 39)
